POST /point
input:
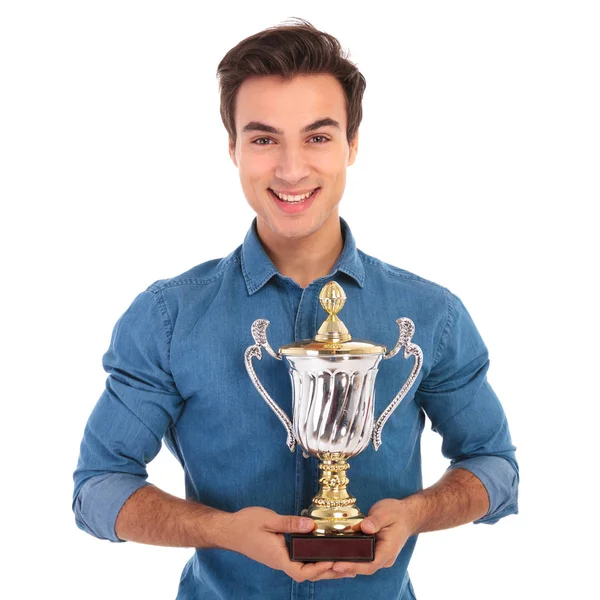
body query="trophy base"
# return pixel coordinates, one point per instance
(309, 548)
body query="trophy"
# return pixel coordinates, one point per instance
(333, 387)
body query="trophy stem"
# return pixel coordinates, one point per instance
(333, 508)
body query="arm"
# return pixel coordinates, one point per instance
(151, 516)
(457, 498)
(481, 482)
(124, 431)
(465, 411)
(113, 499)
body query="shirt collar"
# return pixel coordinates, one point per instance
(258, 268)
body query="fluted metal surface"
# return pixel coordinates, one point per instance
(333, 402)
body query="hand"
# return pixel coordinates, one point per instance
(258, 534)
(390, 524)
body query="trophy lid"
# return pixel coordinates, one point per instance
(333, 337)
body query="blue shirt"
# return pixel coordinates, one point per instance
(176, 372)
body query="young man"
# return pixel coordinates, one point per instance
(291, 104)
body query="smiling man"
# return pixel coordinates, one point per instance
(291, 104)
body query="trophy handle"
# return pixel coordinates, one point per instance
(259, 333)
(407, 330)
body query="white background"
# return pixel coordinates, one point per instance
(477, 168)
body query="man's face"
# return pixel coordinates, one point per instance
(291, 140)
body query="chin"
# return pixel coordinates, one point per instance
(292, 232)
(302, 225)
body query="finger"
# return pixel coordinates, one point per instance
(317, 574)
(383, 555)
(382, 514)
(289, 524)
(363, 568)
(333, 575)
(370, 525)
(307, 571)
(376, 521)
(386, 552)
(351, 569)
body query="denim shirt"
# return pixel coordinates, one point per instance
(176, 372)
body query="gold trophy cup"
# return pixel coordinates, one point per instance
(333, 386)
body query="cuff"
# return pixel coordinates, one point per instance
(99, 501)
(501, 481)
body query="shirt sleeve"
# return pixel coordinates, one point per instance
(465, 411)
(125, 429)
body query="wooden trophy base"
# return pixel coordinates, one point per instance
(358, 547)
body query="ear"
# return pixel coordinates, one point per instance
(232, 152)
(353, 149)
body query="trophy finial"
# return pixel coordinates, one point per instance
(333, 298)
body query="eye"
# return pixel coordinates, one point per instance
(322, 139)
(262, 141)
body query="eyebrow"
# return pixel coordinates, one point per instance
(258, 126)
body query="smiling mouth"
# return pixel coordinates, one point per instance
(291, 198)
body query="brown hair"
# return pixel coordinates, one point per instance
(289, 50)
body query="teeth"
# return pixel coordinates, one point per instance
(287, 198)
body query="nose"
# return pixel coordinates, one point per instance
(292, 165)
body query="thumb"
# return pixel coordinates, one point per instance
(290, 524)
(382, 514)
(376, 522)
(370, 525)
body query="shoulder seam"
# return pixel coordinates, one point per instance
(404, 275)
(167, 320)
(446, 333)
(159, 286)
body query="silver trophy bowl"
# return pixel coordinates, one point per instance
(333, 402)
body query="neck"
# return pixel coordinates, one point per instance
(304, 259)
